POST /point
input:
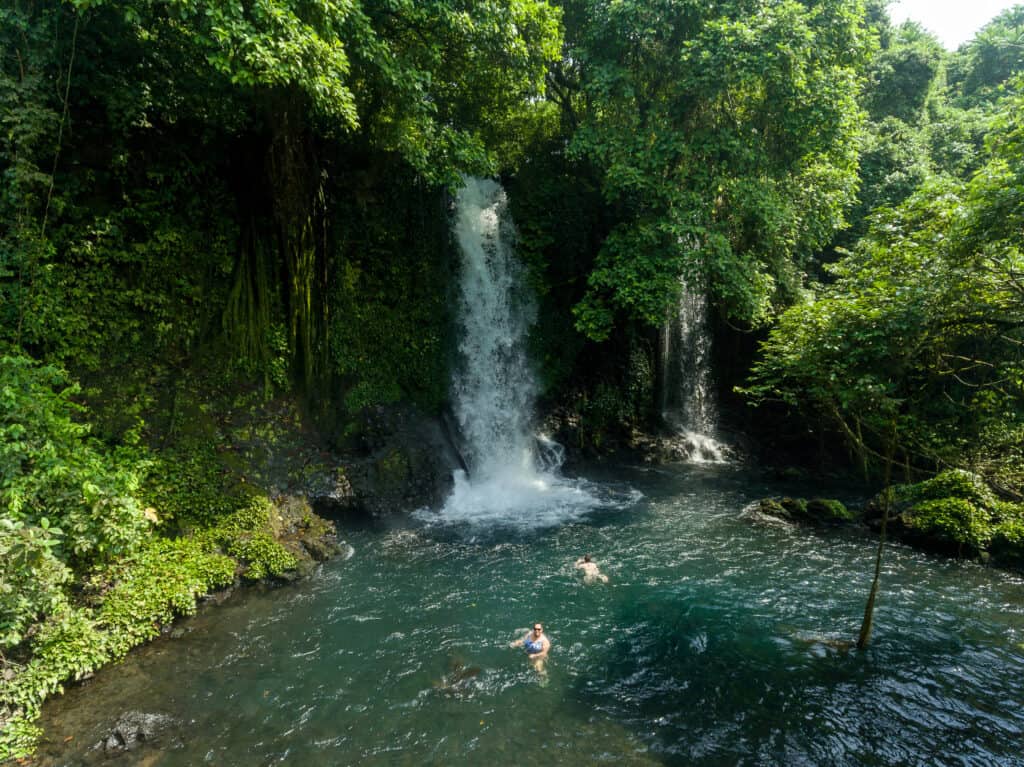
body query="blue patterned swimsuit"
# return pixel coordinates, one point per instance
(534, 647)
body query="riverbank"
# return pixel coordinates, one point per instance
(138, 598)
(220, 496)
(236, 488)
(954, 514)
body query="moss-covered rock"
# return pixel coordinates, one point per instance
(817, 511)
(829, 511)
(1007, 545)
(956, 483)
(951, 522)
(954, 513)
(772, 508)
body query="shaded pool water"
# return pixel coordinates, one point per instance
(719, 640)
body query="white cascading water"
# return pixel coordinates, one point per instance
(513, 474)
(494, 389)
(688, 401)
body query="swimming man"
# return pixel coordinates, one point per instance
(590, 572)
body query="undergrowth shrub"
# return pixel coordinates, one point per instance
(67, 502)
(190, 487)
(32, 578)
(247, 536)
(954, 521)
(161, 581)
(51, 469)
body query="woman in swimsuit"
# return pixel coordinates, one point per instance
(536, 645)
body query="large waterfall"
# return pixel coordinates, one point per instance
(687, 388)
(494, 387)
(513, 473)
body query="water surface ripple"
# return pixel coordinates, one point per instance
(718, 641)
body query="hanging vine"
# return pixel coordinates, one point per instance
(297, 190)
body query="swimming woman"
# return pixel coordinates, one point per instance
(536, 645)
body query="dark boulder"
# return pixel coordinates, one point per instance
(407, 461)
(135, 728)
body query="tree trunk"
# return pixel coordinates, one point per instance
(869, 608)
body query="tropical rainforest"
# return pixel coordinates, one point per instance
(218, 208)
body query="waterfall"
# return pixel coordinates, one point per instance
(513, 474)
(687, 388)
(494, 388)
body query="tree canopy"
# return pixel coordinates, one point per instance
(724, 135)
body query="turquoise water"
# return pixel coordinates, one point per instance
(718, 641)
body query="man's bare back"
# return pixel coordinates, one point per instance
(591, 573)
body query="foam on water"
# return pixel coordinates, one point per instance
(522, 500)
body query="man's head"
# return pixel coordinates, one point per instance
(586, 557)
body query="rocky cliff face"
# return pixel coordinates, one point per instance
(401, 460)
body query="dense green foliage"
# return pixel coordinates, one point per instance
(67, 500)
(723, 136)
(915, 344)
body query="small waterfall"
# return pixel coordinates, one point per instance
(513, 474)
(687, 388)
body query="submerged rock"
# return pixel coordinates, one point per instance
(459, 679)
(133, 729)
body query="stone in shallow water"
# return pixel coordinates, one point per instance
(134, 728)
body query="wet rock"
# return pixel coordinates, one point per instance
(816, 511)
(219, 597)
(133, 729)
(305, 534)
(408, 460)
(330, 492)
